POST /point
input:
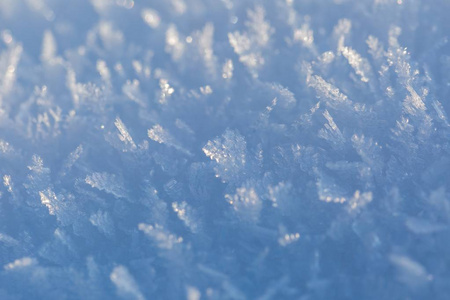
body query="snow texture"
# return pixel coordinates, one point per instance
(224, 149)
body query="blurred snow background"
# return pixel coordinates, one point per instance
(224, 149)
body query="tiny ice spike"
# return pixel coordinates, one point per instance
(228, 149)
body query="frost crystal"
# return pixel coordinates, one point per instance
(280, 195)
(160, 135)
(410, 272)
(331, 131)
(361, 66)
(328, 92)
(166, 91)
(49, 48)
(359, 200)
(106, 182)
(125, 283)
(103, 222)
(9, 61)
(162, 238)
(124, 136)
(186, 214)
(227, 149)
(249, 44)
(227, 70)
(246, 203)
(174, 45)
(7, 182)
(20, 263)
(287, 238)
(72, 159)
(304, 35)
(48, 198)
(229, 154)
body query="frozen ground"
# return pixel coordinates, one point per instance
(224, 149)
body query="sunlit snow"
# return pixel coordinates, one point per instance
(224, 149)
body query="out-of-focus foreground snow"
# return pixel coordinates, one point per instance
(224, 149)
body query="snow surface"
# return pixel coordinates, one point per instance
(224, 149)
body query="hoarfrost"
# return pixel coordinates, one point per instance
(249, 44)
(166, 91)
(359, 64)
(359, 200)
(7, 182)
(21, 263)
(72, 159)
(227, 70)
(106, 182)
(124, 135)
(246, 203)
(162, 136)
(103, 222)
(9, 61)
(280, 196)
(229, 154)
(186, 214)
(7, 240)
(423, 226)
(286, 238)
(163, 238)
(49, 48)
(304, 35)
(331, 132)
(228, 149)
(174, 45)
(125, 283)
(410, 271)
(328, 92)
(48, 198)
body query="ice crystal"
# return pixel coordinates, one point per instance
(251, 149)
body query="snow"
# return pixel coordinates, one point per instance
(199, 149)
